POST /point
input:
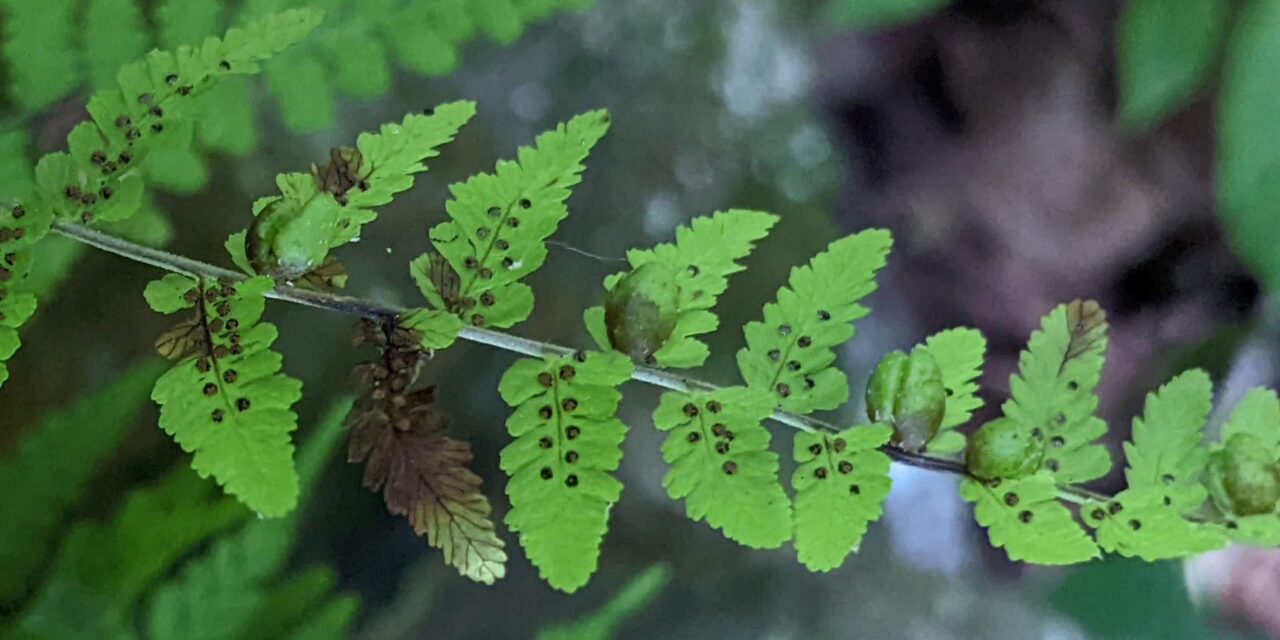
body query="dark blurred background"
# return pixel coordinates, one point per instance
(982, 134)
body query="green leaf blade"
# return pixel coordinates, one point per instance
(720, 464)
(499, 224)
(228, 402)
(790, 354)
(54, 464)
(1248, 165)
(1053, 391)
(1138, 523)
(1166, 51)
(566, 443)
(1024, 518)
(1164, 454)
(841, 482)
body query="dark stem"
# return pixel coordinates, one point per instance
(379, 312)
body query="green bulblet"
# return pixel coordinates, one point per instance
(641, 311)
(1244, 477)
(285, 242)
(1001, 449)
(907, 392)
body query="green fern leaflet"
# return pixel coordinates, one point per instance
(566, 443)
(1052, 396)
(499, 224)
(1024, 518)
(226, 400)
(721, 464)
(841, 482)
(790, 354)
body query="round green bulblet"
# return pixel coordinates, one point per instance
(641, 311)
(1002, 449)
(907, 392)
(1247, 476)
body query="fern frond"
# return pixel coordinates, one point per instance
(422, 473)
(226, 401)
(318, 211)
(841, 481)
(959, 354)
(602, 623)
(721, 463)
(790, 354)
(499, 224)
(187, 22)
(566, 441)
(19, 229)
(114, 35)
(291, 603)
(17, 181)
(1024, 518)
(150, 108)
(102, 568)
(703, 257)
(51, 466)
(300, 84)
(1138, 522)
(1052, 395)
(218, 595)
(40, 52)
(1164, 454)
(332, 621)
(227, 592)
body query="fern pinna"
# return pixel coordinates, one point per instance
(228, 401)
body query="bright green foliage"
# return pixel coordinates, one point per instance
(102, 568)
(1165, 51)
(879, 14)
(17, 180)
(228, 592)
(721, 464)
(226, 400)
(499, 224)
(217, 595)
(19, 229)
(439, 329)
(300, 86)
(113, 36)
(186, 21)
(294, 602)
(841, 482)
(1248, 153)
(294, 232)
(331, 621)
(361, 38)
(1025, 518)
(151, 108)
(1052, 394)
(39, 51)
(566, 441)
(50, 468)
(959, 353)
(1165, 455)
(704, 255)
(1137, 522)
(1259, 530)
(602, 623)
(790, 354)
